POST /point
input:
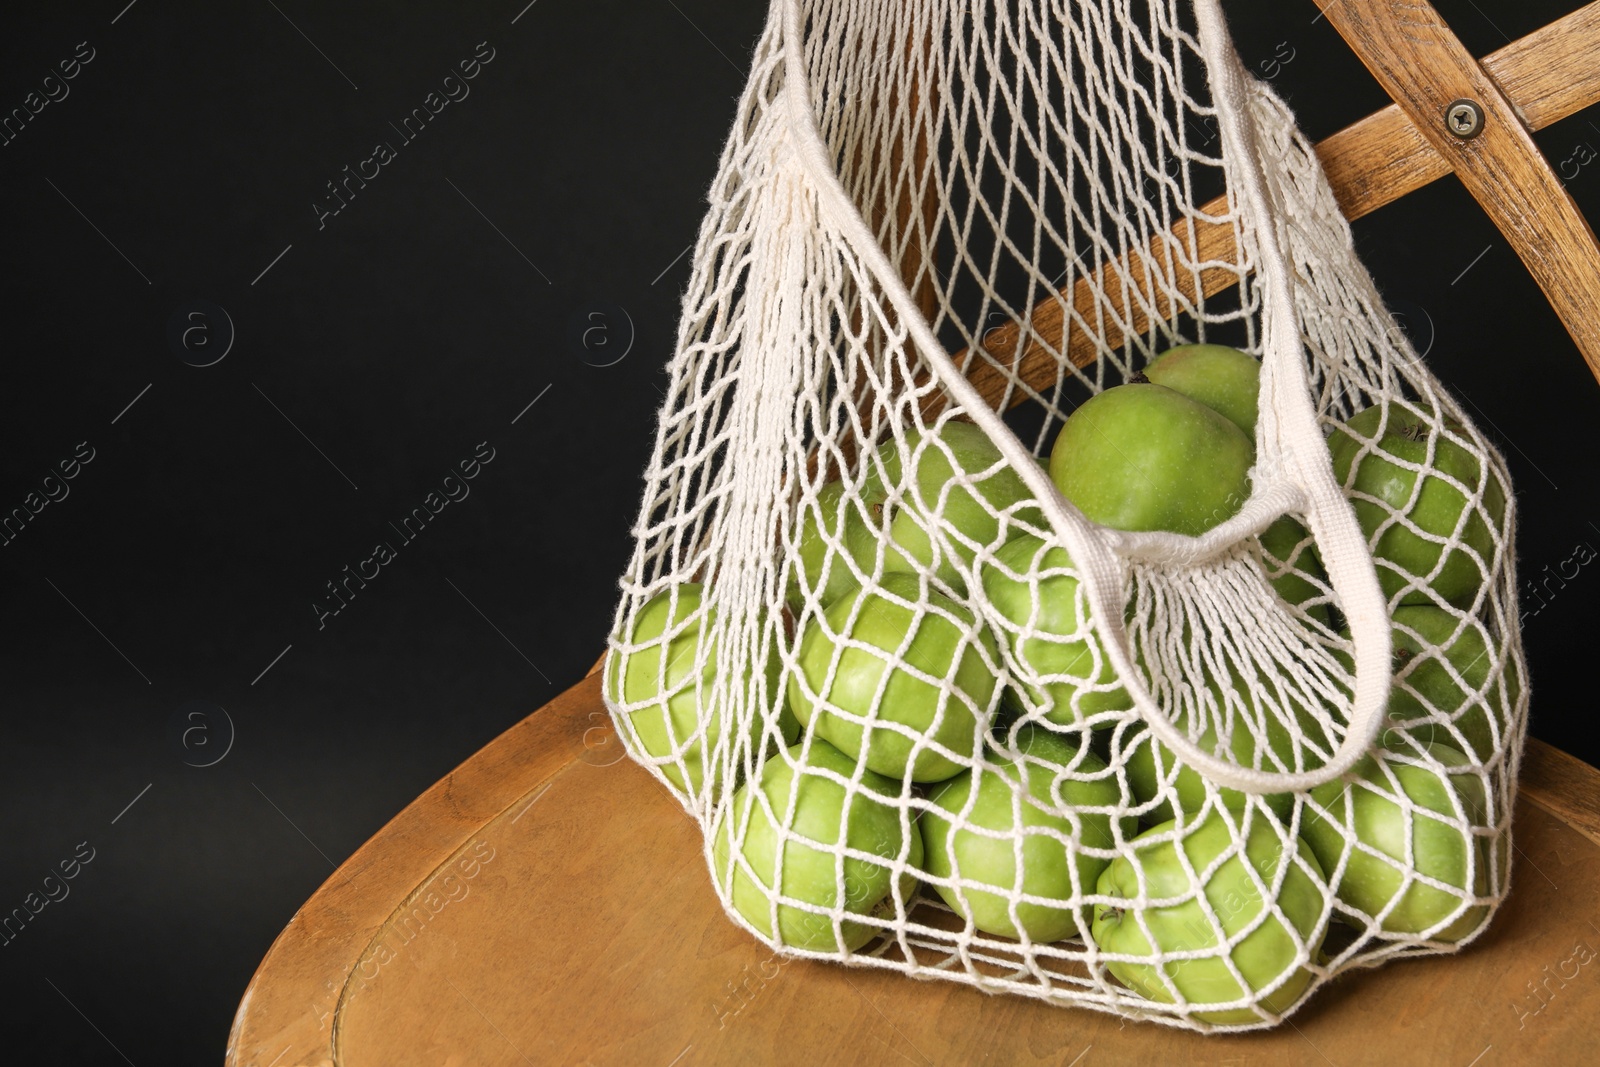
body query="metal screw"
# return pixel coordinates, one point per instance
(1464, 119)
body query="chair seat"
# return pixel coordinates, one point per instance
(548, 902)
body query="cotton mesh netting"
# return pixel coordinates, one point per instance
(931, 718)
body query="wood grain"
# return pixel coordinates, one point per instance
(1548, 75)
(1414, 56)
(548, 903)
(1563, 785)
(289, 1007)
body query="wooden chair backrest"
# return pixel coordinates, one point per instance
(1529, 84)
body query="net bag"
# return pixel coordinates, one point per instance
(927, 713)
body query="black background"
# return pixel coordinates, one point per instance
(380, 350)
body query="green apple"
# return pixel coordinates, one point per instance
(969, 518)
(1224, 379)
(1019, 799)
(1229, 382)
(1432, 649)
(1154, 772)
(1368, 811)
(898, 723)
(1409, 560)
(830, 530)
(1269, 957)
(811, 872)
(1294, 567)
(665, 719)
(1144, 457)
(1035, 588)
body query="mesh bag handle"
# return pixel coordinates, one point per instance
(1288, 434)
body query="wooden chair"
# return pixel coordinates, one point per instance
(547, 901)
